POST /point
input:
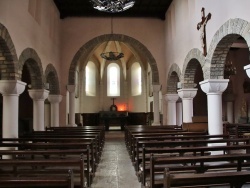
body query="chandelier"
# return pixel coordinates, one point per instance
(112, 6)
(112, 56)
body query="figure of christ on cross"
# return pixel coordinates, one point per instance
(202, 27)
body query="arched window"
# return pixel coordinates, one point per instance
(90, 79)
(113, 80)
(136, 80)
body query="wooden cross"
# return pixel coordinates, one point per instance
(202, 27)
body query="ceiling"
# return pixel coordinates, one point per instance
(142, 8)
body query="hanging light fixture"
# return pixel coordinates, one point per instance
(112, 56)
(112, 6)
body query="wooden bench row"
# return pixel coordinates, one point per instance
(153, 153)
(51, 153)
(236, 130)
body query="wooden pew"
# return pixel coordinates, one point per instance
(140, 128)
(96, 149)
(181, 143)
(200, 163)
(100, 129)
(65, 147)
(66, 181)
(236, 130)
(195, 151)
(131, 140)
(54, 154)
(51, 167)
(137, 139)
(93, 147)
(234, 179)
(68, 134)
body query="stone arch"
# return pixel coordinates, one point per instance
(193, 59)
(8, 56)
(220, 44)
(33, 62)
(173, 78)
(87, 48)
(52, 78)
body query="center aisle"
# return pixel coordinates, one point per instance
(115, 169)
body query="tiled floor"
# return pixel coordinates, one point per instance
(115, 169)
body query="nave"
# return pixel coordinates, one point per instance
(115, 169)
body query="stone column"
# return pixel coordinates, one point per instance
(179, 112)
(38, 96)
(214, 88)
(171, 108)
(71, 90)
(11, 89)
(101, 96)
(156, 89)
(54, 111)
(187, 95)
(229, 98)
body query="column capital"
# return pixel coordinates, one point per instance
(171, 97)
(55, 98)
(247, 69)
(71, 88)
(187, 93)
(38, 94)
(156, 88)
(214, 85)
(12, 87)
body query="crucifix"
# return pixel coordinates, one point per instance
(202, 27)
(113, 107)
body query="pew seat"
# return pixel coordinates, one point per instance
(234, 179)
(38, 181)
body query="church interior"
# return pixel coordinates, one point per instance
(124, 93)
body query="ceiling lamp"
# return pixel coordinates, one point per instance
(112, 6)
(112, 56)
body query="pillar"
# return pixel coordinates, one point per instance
(229, 98)
(156, 89)
(171, 108)
(214, 89)
(54, 111)
(101, 96)
(187, 95)
(38, 96)
(71, 90)
(179, 112)
(10, 89)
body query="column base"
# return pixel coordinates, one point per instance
(156, 123)
(72, 125)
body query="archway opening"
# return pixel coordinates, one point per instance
(25, 123)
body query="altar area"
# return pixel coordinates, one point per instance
(113, 119)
